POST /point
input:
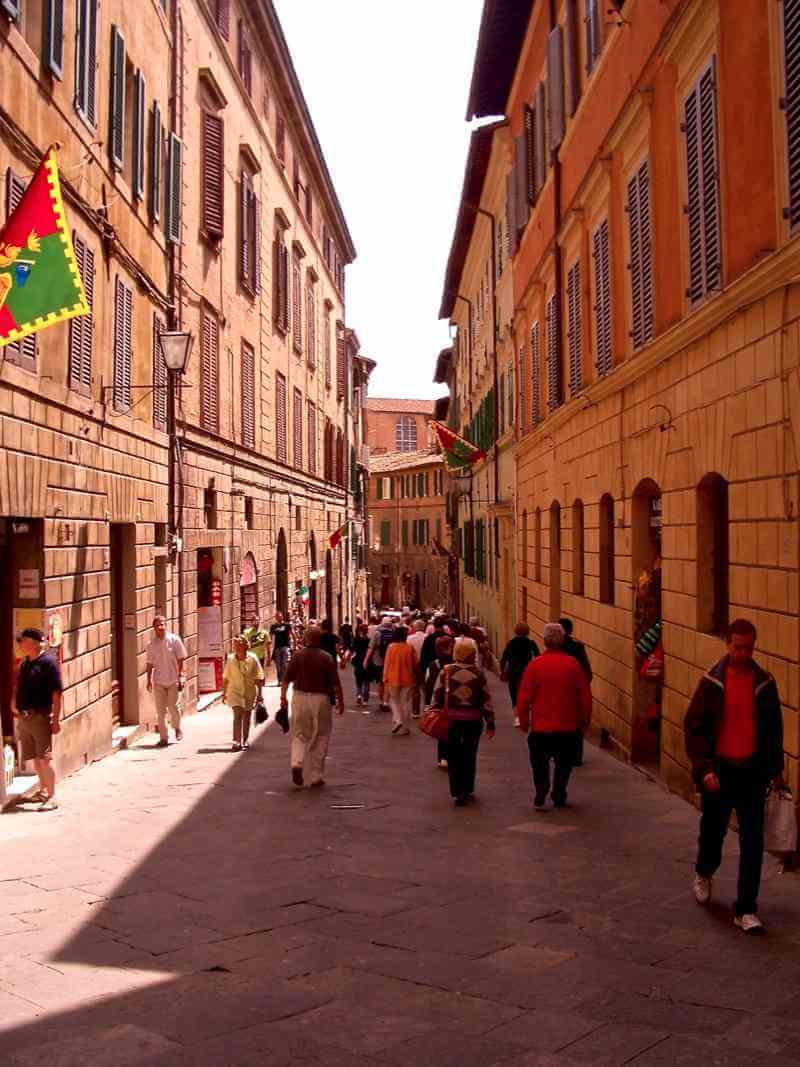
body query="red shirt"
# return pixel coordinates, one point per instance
(555, 692)
(737, 735)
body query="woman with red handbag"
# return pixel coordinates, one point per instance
(444, 656)
(462, 691)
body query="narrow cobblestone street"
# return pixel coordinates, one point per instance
(188, 907)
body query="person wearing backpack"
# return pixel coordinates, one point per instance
(376, 657)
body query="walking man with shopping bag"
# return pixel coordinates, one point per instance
(734, 739)
(314, 678)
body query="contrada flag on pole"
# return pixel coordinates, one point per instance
(337, 535)
(458, 451)
(39, 279)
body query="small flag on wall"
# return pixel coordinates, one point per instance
(458, 452)
(40, 284)
(337, 535)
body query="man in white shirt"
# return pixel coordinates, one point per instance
(416, 640)
(166, 654)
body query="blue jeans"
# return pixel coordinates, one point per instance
(281, 657)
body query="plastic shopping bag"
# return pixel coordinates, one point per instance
(780, 822)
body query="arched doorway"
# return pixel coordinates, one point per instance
(312, 582)
(328, 584)
(248, 593)
(555, 561)
(646, 566)
(282, 575)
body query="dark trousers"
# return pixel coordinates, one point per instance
(463, 739)
(558, 747)
(745, 793)
(441, 751)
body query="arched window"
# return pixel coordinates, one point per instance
(524, 544)
(537, 545)
(578, 568)
(555, 560)
(606, 549)
(712, 554)
(405, 434)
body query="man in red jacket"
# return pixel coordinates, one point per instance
(554, 701)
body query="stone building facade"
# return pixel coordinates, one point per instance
(199, 200)
(655, 317)
(408, 557)
(398, 425)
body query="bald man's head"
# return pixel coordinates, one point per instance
(313, 636)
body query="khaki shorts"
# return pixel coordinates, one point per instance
(35, 735)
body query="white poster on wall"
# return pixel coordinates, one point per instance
(209, 632)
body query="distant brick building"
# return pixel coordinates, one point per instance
(398, 425)
(408, 558)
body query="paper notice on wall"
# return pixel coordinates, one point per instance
(28, 585)
(209, 632)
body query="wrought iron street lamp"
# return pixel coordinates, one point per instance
(176, 347)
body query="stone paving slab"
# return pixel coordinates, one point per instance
(187, 906)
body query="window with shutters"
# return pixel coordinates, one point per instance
(523, 399)
(536, 373)
(159, 376)
(574, 328)
(123, 346)
(641, 252)
(245, 57)
(339, 458)
(174, 190)
(386, 533)
(604, 360)
(702, 186)
(248, 396)
(138, 134)
(540, 135)
(327, 447)
(554, 389)
(593, 18)
(297, 304)
(790, 103)
(116, 103)
(23, 352)
(281, 416)
(312, 438)
(297, 429)
(222, 16)
(341, 362)
(155, 144)
(405, 434)
(530, 153)
(209, 372)
(280, 137)
(555, 86)
(311, 321)
(249, 234)
(537, 545)
(327, 345)
(280, 274)
(81, 329)
(578, 540)
(606, 549)
(44, 32)
(213, 175)
(86, 61)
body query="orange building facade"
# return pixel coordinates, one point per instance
(652, 199)
(395, 425)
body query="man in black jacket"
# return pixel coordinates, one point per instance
(734, 739)
(577, 649)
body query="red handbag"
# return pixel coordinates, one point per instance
(436, 721)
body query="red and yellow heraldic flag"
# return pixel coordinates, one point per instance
(39, 279)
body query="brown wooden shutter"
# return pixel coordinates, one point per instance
(541, 140)
(312, 438)
(174, 204)
(523, 398)
(53, 40)
(123, 335)
(156, 136)
(248, 396)
(554, 393)
(116, 111)
(602, 299)
(522, 209)
(159, 376)
(574, 328)
(572, 82)
(328, 348)
(213, 177)
(280, 418)
(139, 122)
(223, 17)
(244, 230)
(284, 279)
(297, 427)
(640, 266)
(790, 103)
(700, 130)
(81, 328)
(311, 324)
(297, 304)
(530, 153)
(209, 374)
(341, 373)
(555, 86)
(536, 373)
(256, 241)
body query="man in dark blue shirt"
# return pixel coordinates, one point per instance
(37, 709)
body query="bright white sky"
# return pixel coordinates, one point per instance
(388, 94)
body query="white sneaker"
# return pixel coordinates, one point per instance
(749, 924)
(398, 726)
(442, 764)
(702, 889)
